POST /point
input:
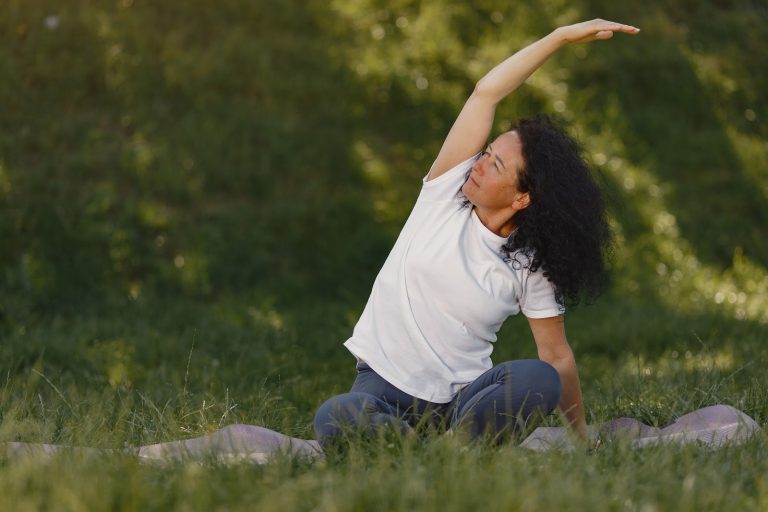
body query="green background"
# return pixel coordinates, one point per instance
(195, 198)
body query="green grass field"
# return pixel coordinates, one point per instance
(195, 198)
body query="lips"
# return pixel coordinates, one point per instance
(473, 180)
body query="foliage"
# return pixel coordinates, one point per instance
(195, 198)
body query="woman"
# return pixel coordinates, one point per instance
(520, 226)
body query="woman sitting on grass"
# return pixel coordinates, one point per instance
(517, 225)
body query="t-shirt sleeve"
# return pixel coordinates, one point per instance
(538, 296)
(445, 186)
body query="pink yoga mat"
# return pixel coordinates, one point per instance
(713, 426)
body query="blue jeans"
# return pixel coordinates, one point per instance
(503, 400)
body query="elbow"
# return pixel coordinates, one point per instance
(483, 91)
(559, 359)
(486, 93)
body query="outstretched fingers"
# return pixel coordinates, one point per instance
(595, 29)
(610, 26)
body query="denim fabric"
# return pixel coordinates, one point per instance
(504, 399)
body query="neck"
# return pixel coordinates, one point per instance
(498, 221)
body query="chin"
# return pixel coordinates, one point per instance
(468, 196)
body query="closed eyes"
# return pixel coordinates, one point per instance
(488, 154)
(496, 159)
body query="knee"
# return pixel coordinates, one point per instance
(539, 378)
(548, 384)
(338, 412)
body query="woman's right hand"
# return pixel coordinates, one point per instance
(595, 29)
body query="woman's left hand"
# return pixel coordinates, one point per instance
(595, 29)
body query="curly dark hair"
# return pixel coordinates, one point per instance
(564, 230)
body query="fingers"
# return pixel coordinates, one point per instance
(627, 29)
(595, 29)
(603, 25)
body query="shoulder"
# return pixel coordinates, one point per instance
(538, 295)
(447, 185)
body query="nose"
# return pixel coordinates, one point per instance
(479, 166)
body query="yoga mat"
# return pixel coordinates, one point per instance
(713, 426)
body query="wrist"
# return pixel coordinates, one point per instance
(558, 37)
(578, 424)
(581, 430)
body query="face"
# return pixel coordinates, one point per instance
(493, 182)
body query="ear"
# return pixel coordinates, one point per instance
(522, 201)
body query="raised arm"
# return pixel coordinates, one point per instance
(470, 131)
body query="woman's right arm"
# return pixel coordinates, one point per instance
(470, 131)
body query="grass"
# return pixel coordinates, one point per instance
(437, 474)
(195, 200)
(218, 381)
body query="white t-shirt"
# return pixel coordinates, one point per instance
(442, 295)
